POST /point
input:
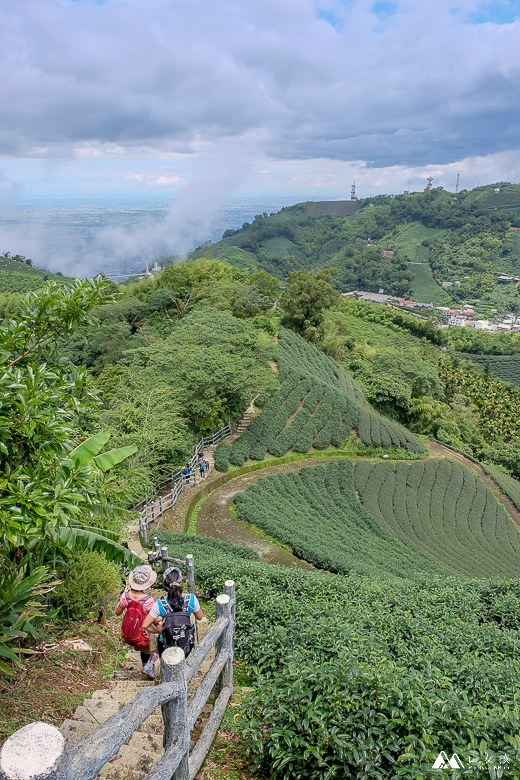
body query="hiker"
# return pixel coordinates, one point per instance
(202, 468)
(186, 473)
(175, 629)
(137, 604)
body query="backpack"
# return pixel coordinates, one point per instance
(132, 629)
(177, 630)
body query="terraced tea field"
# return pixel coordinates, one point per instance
(503, 367)
(444, 510)
(317, 405)
(384, 518)
(318, 514)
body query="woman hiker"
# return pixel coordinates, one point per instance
(139, 580)
(176, 602)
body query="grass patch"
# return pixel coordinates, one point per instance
(53, 683)
(424, 287)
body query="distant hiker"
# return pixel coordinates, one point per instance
(186, 473)
(136, 604)
(202, 468)
(176, 629)
(201, 454)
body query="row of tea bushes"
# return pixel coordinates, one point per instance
(368, 678)
(316, 406)
(443, 509)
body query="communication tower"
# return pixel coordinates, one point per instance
(429, 185)
(353, 195)
(457, 185)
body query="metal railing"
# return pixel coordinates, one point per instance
(40, 748)
(150, 510)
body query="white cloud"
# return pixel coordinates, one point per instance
(157, 78)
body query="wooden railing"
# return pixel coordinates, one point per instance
(160, 554)
(151, 509)
(38, 751)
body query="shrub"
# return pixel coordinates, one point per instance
(221, 456)
(89, 581)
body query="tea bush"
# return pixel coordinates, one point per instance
(443, 509)
(368, 677)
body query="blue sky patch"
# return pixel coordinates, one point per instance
(497, 13)
(385, 9)
(331, 18)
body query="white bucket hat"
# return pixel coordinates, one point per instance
(142, 577)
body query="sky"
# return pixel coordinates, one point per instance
(214, 98)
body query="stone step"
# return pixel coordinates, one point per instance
(131, 763)
(76, 730)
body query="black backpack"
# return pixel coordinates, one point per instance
(177, 628)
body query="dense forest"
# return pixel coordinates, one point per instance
(105, 388)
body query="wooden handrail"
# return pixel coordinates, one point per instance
(40, 748)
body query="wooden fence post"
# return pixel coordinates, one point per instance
(190, 573)
(164, 556)
(143, 527)
(35, 752)
(175, 712)
(225, 640)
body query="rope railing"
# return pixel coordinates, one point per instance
(38, 751)
(151, 510)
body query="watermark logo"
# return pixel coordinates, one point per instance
(443, 762)
(495, 764)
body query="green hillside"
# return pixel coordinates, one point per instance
(424, 287)
(467, 239)
(16, 276)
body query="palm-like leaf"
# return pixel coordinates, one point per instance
(86, 451)
(83, 538)
(108, 459)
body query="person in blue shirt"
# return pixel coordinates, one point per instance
(177, 602)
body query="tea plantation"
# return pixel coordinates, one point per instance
(438, 510)
(503, 367)
(317, 405)
(444, 510)
(508, 485)
(369, 677)
(317, 513)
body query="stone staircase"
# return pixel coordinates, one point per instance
(135, 759)
(244, 421)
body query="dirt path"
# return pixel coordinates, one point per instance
(216, 518)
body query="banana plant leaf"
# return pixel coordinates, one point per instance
(87, 450)
(99, 531)
(108, 459)
(80, 538)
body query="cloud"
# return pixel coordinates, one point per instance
(396, 83)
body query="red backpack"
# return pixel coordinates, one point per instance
(132, 629)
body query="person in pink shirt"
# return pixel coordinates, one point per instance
(139, 580)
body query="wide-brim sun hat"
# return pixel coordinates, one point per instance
(142, 577)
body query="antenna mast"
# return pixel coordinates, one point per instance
(429, 185)
(353, 195)
(457, 185)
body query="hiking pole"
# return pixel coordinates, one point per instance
(117, 656)
(197, 629)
